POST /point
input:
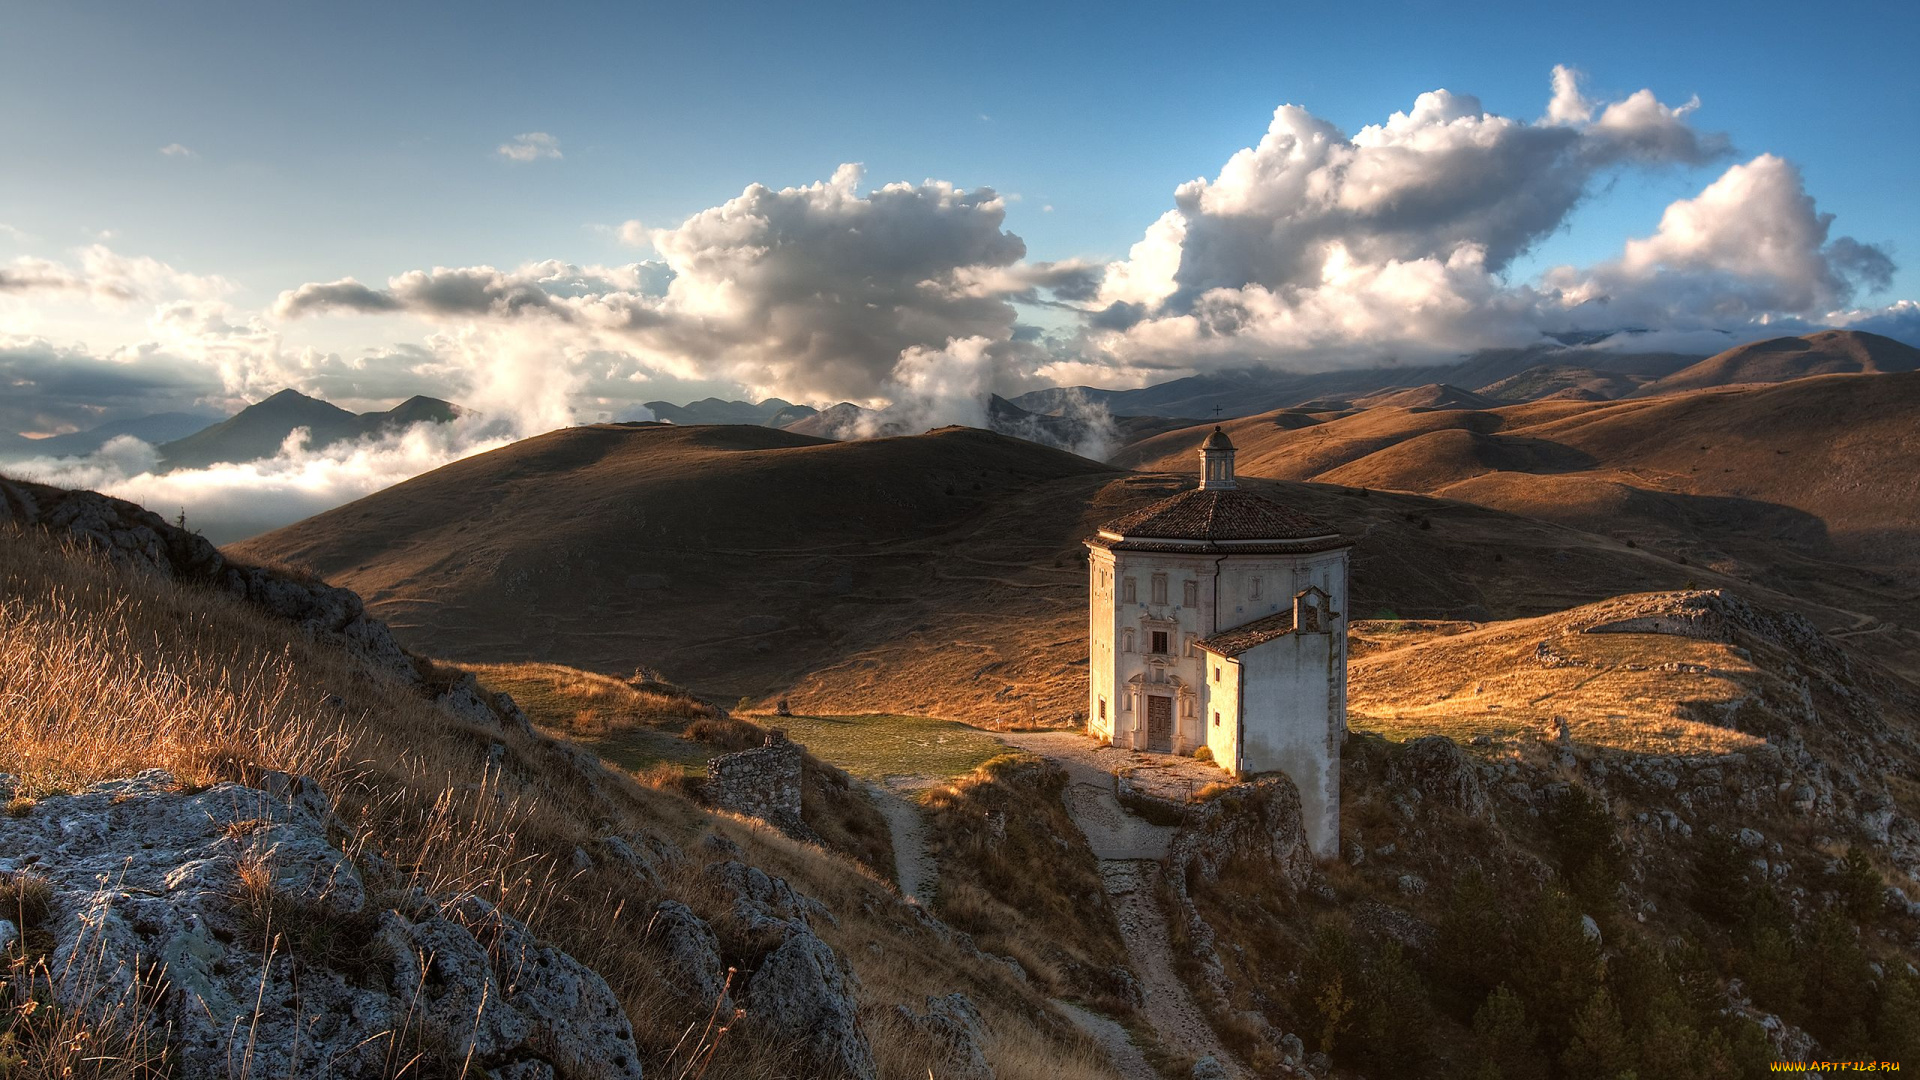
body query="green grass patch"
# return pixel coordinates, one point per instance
(877, 746)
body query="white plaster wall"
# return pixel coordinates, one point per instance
(1223, 698)
(1288, 726)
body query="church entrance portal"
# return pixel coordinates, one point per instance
(1160, 724)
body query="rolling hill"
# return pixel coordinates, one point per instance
(1829, 352)
(937, 574)
(1807, 487)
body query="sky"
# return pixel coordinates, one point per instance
(554, 215)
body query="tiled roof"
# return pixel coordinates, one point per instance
(1258, 632)
(1217, 514)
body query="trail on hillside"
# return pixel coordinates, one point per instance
(914, 868)
(1130, 850)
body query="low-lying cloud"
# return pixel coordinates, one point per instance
(228, 502)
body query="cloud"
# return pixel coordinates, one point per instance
(1751, 244)
(530, 146)
(809, 292)
(1312, 249)
(232, 502)
(105, 275)
(54, 388)
(634, 234)
(175, 150)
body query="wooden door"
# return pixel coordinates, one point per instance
(1160, 724)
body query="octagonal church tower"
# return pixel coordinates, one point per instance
(1217, 620)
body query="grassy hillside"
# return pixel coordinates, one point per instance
(939, 575)
(108, 671)
(1828, 352)
(1807, 488)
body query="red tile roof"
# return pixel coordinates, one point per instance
(1258, 632)
(1218, 514)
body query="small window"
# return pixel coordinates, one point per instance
(1126, 640)
(1216, 673)
(1160, 642)
(1216, 719)
(1253, 591)
(1190, 594)
(1127, 594)
(1103, 708)
(1159, 588)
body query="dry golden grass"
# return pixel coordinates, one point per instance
(1015, 873)
(1638, 693)
(105, 672)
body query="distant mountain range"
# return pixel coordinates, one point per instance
(259, 430)
(156, 429)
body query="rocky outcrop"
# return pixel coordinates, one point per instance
(1257, 820)
(763, 783)
(273, 948)
(954, 1034)
(800, 992)
(1439, 770)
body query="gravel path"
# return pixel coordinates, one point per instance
(1130, 850)
(1127, 1059)
(913, 866)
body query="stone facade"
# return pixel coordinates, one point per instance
(1217, 620)
(763, 783)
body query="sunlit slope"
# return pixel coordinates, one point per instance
(936, 575)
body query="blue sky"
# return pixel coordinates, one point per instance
(356, 139)
(205, 202)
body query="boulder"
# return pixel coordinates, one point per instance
(1438, 769)
(802, 995)
(952, 1028)
(272, 946)
(691, 957)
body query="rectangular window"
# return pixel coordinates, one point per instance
(1160, 641)
(1190, 594)
(1127, 593)
(1216, 673)
(1126, 639)
(1103, 708)
(1253, 591)
(1216, 719)
(1159, 588)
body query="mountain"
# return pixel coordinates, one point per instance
(1244, 393)
(1828, 352)
(715, 411)
(153, 430)
(1430, 396)
(1810, 487)
(1563, 382)
(259, 430)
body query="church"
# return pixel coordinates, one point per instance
(1216, 620)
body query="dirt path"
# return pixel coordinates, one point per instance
(1127, 1059)
(913, 867)
(1130, 850)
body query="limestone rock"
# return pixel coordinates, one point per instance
(205, 885)
(801, 994)
(761, 901)
(953, 1028)
(1258, 819)
(1209, 1068)
(691, 956)
(1436, 767)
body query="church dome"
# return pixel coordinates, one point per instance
(1218, 440)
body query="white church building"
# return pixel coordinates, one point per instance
(1217, 621)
